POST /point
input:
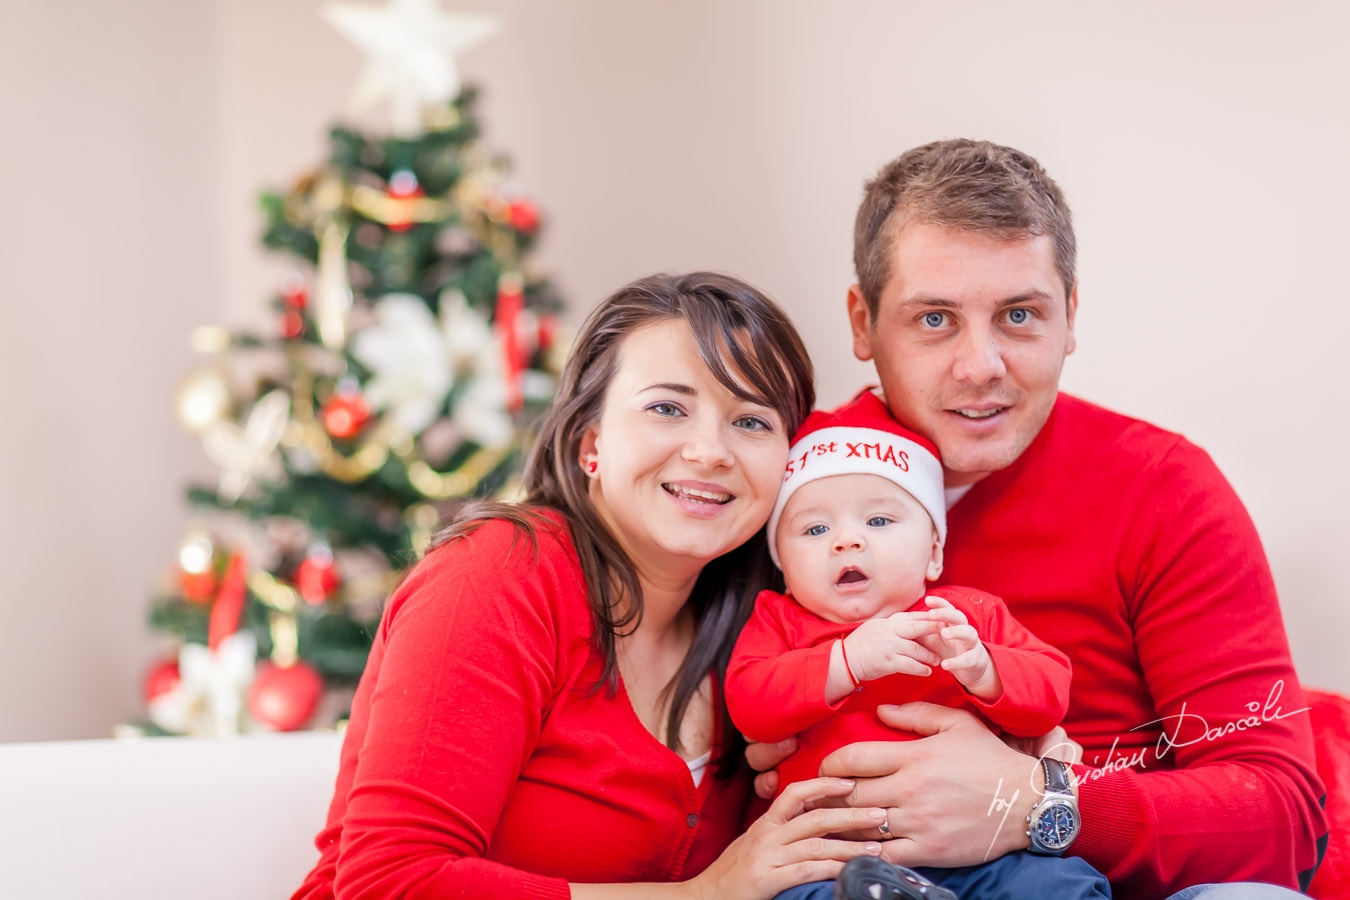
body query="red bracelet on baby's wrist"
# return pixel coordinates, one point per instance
(857, 685)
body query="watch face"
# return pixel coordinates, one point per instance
(1057, 827)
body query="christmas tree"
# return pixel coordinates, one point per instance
(411, 350)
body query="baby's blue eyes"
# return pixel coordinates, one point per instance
(874, 522)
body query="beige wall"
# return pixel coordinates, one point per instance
(1202, 145)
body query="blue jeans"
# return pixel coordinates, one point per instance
(1017, 876)
(1245, 890)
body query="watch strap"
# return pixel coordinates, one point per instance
(1056, 777)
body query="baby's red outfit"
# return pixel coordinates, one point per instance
(776, 680)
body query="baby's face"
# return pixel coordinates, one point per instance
(856, 547)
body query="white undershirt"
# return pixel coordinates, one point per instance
(952, 494)
(698, 765)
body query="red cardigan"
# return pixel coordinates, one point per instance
(1122, 545)
(776, 680)
(480, 762)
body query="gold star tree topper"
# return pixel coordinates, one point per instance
(410, 48)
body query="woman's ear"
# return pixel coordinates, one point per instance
(935, 561)
(587, 454)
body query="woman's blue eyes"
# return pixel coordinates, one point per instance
(749, 423)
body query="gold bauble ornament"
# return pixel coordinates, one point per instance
(197, 553)
(202, 400)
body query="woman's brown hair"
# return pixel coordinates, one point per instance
(751, 348)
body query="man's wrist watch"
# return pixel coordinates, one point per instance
(1053, 823)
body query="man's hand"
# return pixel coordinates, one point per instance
(962, 652)
(764, 759)
(957, 796)
(1054, 744)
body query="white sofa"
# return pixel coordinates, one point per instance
(163, 817)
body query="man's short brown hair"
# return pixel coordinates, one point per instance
(971, 185)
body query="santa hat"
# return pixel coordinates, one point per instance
(861, 437)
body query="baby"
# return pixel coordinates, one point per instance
(858, 530)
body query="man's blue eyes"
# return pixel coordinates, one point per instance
(1017, 316)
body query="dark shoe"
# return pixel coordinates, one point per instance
(869, 878)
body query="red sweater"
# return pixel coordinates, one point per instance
(776, 681)
(479, 762)
(1123, 545)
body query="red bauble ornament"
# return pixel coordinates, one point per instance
(316, 578)
(523, 216)
(296, 297)
(162, 678)
(199, 587)
(284, 697)
(292, 324)
(344, 415)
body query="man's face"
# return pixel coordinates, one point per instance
(969, 338)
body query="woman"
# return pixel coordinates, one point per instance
(541, 715)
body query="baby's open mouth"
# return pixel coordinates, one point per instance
(687, 493)
(851, 576)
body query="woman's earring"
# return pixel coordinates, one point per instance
(591, 467)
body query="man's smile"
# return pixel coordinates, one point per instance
(979, 413)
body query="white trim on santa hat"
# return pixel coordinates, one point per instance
(845, 450)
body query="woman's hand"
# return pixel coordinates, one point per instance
(790, 845)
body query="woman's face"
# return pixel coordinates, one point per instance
(684, 469)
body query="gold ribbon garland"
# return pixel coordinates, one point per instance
(380, 207)
(306, 433)
(321, 197)
(464, 480)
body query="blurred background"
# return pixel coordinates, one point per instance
(1202, 145)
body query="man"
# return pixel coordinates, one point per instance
(1117, 542)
